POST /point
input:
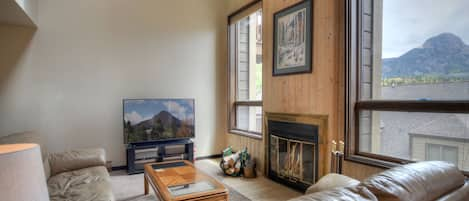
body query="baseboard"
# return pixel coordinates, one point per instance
(124, 167)
(208, 157)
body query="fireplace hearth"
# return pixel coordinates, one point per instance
(293, 151)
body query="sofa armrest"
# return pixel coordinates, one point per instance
(331, 181)
(76, 159)
(421, 181)
(459, 194)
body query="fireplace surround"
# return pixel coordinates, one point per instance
(293, 148)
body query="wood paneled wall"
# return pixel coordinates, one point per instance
(359, 171)
(254, 146)
(320, 92)
(312, 93)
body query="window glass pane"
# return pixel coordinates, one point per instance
(249, 118)
(245, 59)
(248, 57)
(416, 136)
(433, 152)
(418, 51)
(450, 154)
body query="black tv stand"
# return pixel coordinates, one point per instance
(139, 154)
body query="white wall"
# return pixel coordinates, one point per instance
(87, 55)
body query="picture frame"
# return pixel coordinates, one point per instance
(293, 39)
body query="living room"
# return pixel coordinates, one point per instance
(302, 95)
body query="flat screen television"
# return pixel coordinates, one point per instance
(158, 119)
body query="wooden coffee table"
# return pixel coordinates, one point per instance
(180, 180)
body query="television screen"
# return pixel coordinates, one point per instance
(158, 119)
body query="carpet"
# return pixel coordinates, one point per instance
(130, 187)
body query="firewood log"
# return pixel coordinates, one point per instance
(230, 171)
(231, 160)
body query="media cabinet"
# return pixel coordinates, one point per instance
(149, 152)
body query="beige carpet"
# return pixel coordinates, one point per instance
(130, 187)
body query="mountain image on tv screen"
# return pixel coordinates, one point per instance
(158, 119)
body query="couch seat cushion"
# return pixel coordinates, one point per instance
(88, 184)
(330, 181)
(76, 159)
(350, 193)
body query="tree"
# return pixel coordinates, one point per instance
(158, 127)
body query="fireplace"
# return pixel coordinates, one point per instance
(293, 150)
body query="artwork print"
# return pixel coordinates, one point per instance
(292, 40)
(292, 50)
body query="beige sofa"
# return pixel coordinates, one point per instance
(77, 175)
(422, 181)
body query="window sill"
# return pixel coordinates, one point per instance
(371, 161)
(257, 136)
(379, 163)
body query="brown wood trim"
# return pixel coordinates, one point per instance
(250, 134)
(384, 158)
(229, 78)
(240, 10)
(414, 106)
(351, 76)
(370, 161)
(248, 103)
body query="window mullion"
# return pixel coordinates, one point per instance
(414, 106)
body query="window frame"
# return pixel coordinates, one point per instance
(353, 104)
(233, 103)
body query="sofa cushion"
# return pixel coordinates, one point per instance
(351, 193)
(45, 164)
(332, 181)
(76, 159)
(88, 184)
(423, 181)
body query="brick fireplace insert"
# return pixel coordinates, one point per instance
(295, 148)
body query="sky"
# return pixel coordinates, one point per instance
(408, 23)
(136, 111)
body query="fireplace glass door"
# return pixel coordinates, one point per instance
(292, 160)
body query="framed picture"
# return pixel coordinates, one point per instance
(292, 39)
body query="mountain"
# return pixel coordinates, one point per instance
(442, 55)
(165, 118)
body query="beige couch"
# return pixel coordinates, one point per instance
(77, 175)
(423, 181)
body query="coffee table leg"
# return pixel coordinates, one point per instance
(145, 183)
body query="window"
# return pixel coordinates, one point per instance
(245, 71)
(407, 82)
(437, 152)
